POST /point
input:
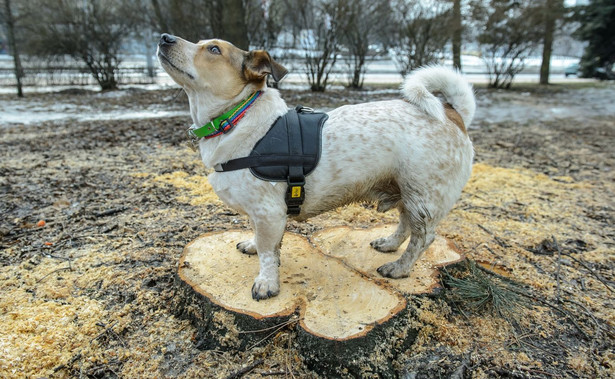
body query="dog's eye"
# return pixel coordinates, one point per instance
(214, 49)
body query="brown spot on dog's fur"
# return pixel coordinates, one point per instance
(455, 117)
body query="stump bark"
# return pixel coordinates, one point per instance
(348, 318)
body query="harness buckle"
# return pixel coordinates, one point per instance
(231, 125)
(295, 195)
(302, 109)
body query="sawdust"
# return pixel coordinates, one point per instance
(535, 204)
(197, 192)
(536, 207)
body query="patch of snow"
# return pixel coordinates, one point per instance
(29, 113)
(523, 107)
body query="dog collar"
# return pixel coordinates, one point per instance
(225, 122)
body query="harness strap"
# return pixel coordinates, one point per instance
(295, 194)
(264, 161)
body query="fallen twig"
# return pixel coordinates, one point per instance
(274, 373)
(497, 239)
(591, 271)
(277, 328)
(109, 228)
(560, 309)
(110, 212)
(288, 366)
(291, 321)
(65, 365)
(241, 372)
(606, 327)
(54, 271)
(557, 272)
(104, 331)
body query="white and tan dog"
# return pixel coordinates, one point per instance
(412, 154)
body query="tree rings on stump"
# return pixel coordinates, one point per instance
(352, 247)
(349, 319)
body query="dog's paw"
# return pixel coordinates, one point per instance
(384, 245)
(393, 270)
(247, 247)
(264, 288)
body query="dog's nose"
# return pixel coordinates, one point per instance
(167, 39)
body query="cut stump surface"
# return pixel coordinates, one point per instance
(352, 247)
(329, 286)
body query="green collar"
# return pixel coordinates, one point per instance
(225, 122)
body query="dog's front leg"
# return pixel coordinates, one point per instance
(269, 231)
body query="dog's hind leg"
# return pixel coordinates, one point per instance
(268, 236)
(419, 242)
(420, 215)
(392, 242)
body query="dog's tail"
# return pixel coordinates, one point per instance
(421, 85)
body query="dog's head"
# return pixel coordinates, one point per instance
(216, 66)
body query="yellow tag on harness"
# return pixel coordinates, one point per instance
(295, 192)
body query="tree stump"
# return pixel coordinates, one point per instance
(348, 318)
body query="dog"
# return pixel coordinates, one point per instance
(413, 154)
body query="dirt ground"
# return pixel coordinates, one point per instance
(96, 212)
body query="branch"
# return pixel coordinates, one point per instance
(241, 372)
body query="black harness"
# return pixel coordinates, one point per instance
(288, 152)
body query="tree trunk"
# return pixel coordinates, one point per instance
(160, 20)
(234, 24)
(10, 22)
(150, 61)
(547, 47)
(346, 316)
(457, 30)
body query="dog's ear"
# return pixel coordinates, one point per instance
(257, 64)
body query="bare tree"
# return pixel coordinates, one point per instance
(457, 29)
(295, 18)
(190, 19)
(158, 18)
(265, 21)
(421, 37)
(511, 31)
(552, 11)
(362, 21)
(10, 27)
(320, 40)
(195, 20)
(234, 27)
(92, 32)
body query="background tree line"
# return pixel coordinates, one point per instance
(322, 33)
